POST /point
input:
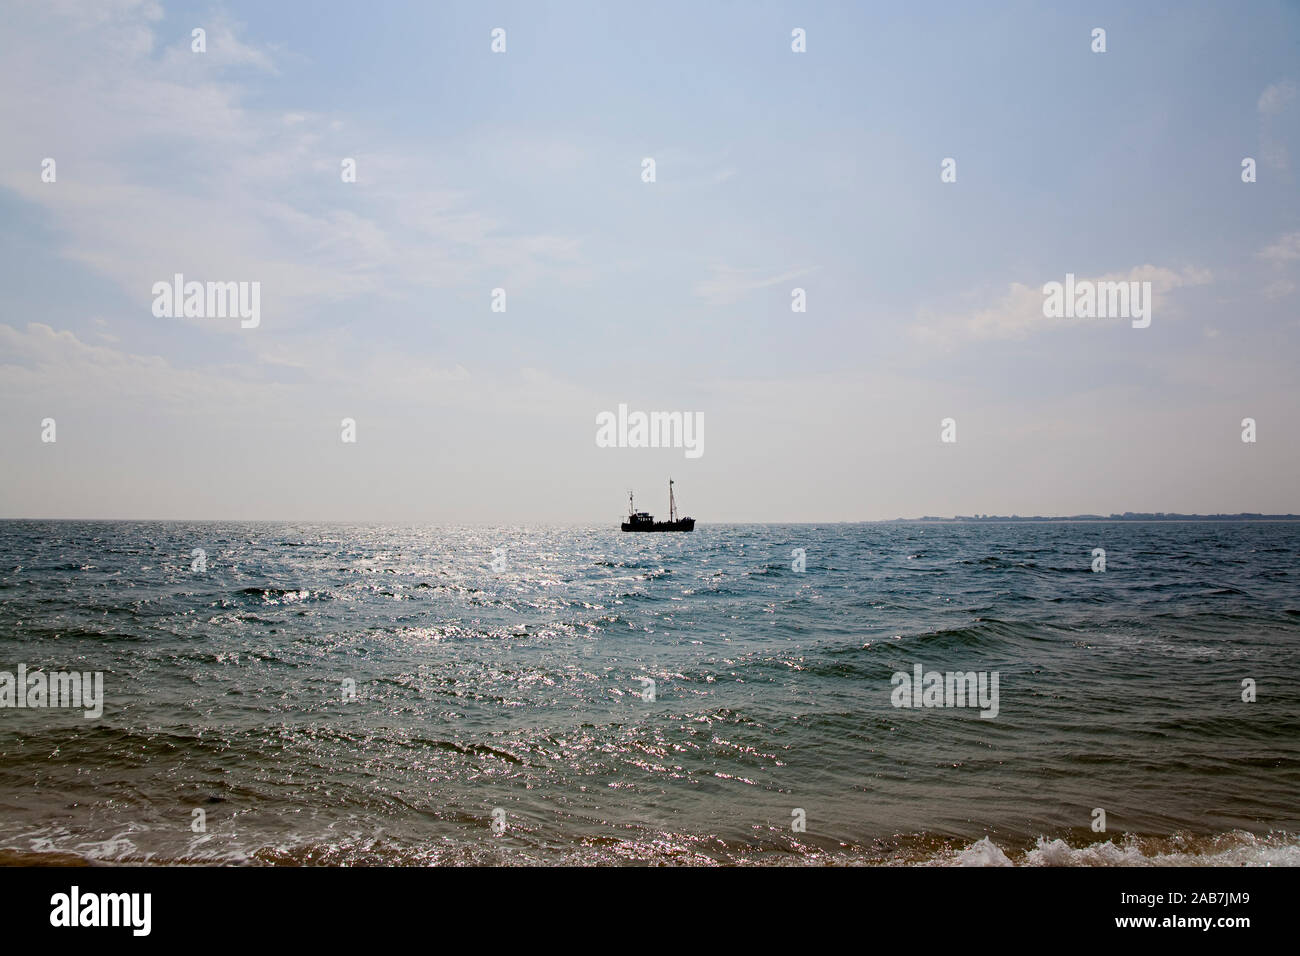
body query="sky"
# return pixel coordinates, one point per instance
(522, 170)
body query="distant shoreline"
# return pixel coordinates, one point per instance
(1126, 516)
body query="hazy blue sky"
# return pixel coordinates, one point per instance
(522, 170)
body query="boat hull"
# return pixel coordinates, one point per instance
(682, 524)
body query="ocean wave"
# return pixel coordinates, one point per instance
(527, 847)
(1235, 848)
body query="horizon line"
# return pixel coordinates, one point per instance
(1133, 516)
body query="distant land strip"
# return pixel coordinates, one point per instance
(1126, 516)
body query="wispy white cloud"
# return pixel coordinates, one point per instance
(1277, 101)
(1276, 97)
(248, 193)
(727, 284)
(1283, 253)
(1285, 249)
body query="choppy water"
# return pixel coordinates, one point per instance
(522, 689)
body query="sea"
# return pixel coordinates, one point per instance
(340, 694)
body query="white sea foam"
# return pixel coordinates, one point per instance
(1237, 848)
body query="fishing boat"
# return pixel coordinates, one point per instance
(643, 521)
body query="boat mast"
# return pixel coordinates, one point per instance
(631, 508)
(672, 505)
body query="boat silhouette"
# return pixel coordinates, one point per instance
(644, 521)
